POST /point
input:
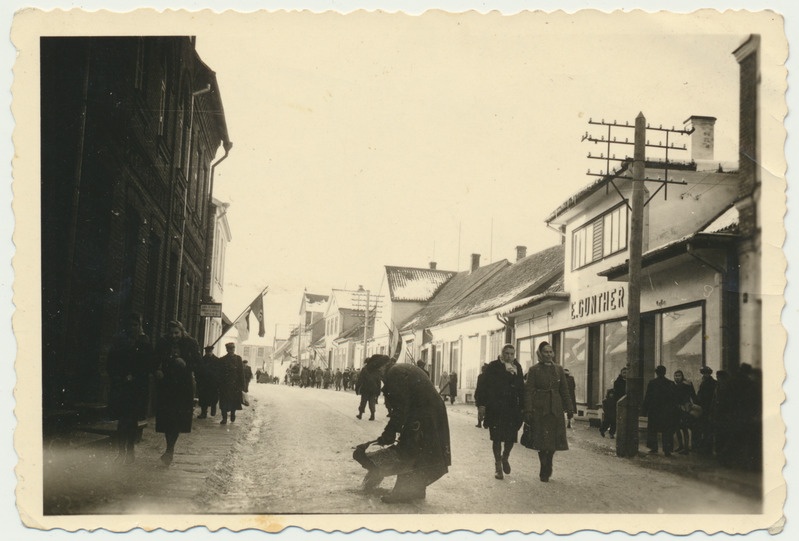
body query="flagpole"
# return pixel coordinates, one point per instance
(233, 324)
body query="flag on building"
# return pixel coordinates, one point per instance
(243, 326)
(226, 324)
(257, 308)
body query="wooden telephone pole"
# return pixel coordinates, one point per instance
(628, 408)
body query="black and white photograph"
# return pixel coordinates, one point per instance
(337, 270)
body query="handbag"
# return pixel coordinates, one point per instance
(527, 436)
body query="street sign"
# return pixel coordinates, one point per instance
(211, 309)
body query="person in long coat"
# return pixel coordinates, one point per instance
(704, 397)
(176, 357)
(686, 397)
(504, 394)
(661, 409)
(129, 363)
(480, 399)
(443, 385)
(546, 398)
(231, 383)
(247, 375)
(207, 386)
(368, 387)
(419, 416)
(453, 386)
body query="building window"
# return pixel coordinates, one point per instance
(575, 359)
(602, 237)
(681, 341)
(614, 345)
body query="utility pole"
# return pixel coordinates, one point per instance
(629, 406)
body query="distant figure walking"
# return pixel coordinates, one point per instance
(609, 414)
(453, 387)
(176, 357)
(129, 363)
(207, 386)
(368, 387)
(480, 397)
(231, 383)
(443, 385)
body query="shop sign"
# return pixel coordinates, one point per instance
(607, 301)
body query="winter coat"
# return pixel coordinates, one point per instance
(453, 384)
(706, 394)
(619, 387)
(479, 391)
(504, 399)
(572, 386)
(546, 398)
(129, 363)
(206, 376)
(368, 383)
(660, 404)
(419, 416)
(247, 378)
(231, 381)
(175, 390)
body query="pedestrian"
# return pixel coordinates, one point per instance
(176, 357)
(620, 384)
(231, 383)
(572, 386)
(479, 397)
(337, 377)
(207, 385)
(609, 414)
(345, 379)
(703, 435)
(247, 375)
(504, 399)
(129, 363)
(327, 378)
(453, 386)
(686, 398)
(546, 398)
(443, 385)
(661, 409)
(419, 416)
(368, 387)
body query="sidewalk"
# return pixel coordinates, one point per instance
(693, 465)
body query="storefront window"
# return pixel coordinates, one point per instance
(524, 352)
(614, 344)
(682, 342)
(574, 358)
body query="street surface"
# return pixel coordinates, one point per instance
(290, 452)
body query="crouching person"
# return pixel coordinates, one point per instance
(417, 431)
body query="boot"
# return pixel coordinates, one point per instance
(232, 416)
(224, 419)
(360, 415)
(167, 457)
(372, 417)
(505, 464)
(550, 455)
(542, 471)
(498, 470)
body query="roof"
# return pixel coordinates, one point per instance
(314, 303)
(415, 284)
(453, 292)
(654, 169)
(721, 230)
(530, 275)
(350, 300)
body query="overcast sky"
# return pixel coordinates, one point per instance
(408, 140)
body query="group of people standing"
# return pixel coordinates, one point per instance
(173, 364)
(506, 399)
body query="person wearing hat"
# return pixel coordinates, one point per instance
(231, 383)
(207, 391)
(704, 398)
(176, 357)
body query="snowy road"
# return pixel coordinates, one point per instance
(293, 455)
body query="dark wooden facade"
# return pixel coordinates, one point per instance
(126, 175)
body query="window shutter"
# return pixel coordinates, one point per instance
(597, 240)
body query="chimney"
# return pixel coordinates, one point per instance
(433, 265)
(702, 139)
(521, 252)
(475, 262)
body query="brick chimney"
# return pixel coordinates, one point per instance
(433, 265)
(521, 252)
(702, 140)
(475, 262)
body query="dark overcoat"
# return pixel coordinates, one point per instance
(504, 396)
(207, 386)
(368, 383)
(546, 398)
(175, 390)
(660, 405)
(418, 414)
(231, 382)
(128, 365)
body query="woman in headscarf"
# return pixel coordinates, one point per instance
(176, 356)
(546, 397)
(503, 393)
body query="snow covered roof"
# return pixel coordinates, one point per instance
(414, 284)
(315, 303)
(451, 293)
(531, 275)
(725, 223)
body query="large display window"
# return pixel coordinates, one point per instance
(682, 341)
(574, 358)
(614, 345)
